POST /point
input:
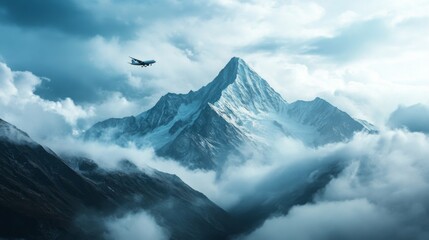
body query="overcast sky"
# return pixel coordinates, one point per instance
(67, 60)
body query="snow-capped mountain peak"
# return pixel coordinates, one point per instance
(249, 90)
(201, 128)
(238, 83)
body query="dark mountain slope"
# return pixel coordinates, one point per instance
(40, 194)
(43, 198)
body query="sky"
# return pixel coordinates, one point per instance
(67, 60)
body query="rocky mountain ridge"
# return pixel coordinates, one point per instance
(201, 129)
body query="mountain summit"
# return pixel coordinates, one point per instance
(201, 129)
(239, 85)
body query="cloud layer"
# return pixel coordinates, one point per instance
(382, 194)
(382, 191)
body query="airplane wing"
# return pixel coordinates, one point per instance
(136, 61)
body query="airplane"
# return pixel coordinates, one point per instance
(141, 63)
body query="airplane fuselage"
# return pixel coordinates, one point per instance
(137, 62)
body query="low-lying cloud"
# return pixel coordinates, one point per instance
(352, 219)
(134, 226)
(381, 194)
(226, 188)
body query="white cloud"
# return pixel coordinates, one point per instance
(236, 181)
(382, 194)
(353, 219)
(21, 106)
(24, 83)
(134, 226)
(44, 119)
(116, 105)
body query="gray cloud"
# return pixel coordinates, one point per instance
(55, 40)
(186, 46)
(274, 45)
(65, 60)
(63, 16)
(353, 41)
(415, 118)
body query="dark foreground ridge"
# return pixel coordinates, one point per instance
(45, 197)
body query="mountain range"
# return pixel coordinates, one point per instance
(202, 128)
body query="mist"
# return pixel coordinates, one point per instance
(134, 226)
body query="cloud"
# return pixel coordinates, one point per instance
(134, 226)
(20, 105)
(415, 118)
(58, 57)
(352, 42)
(381, 194)
(226, 188)
(87, 67)
(55, 37)
(329, 220)
(45, 119)
(90, 65)
(381, 191)
(60, 16)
